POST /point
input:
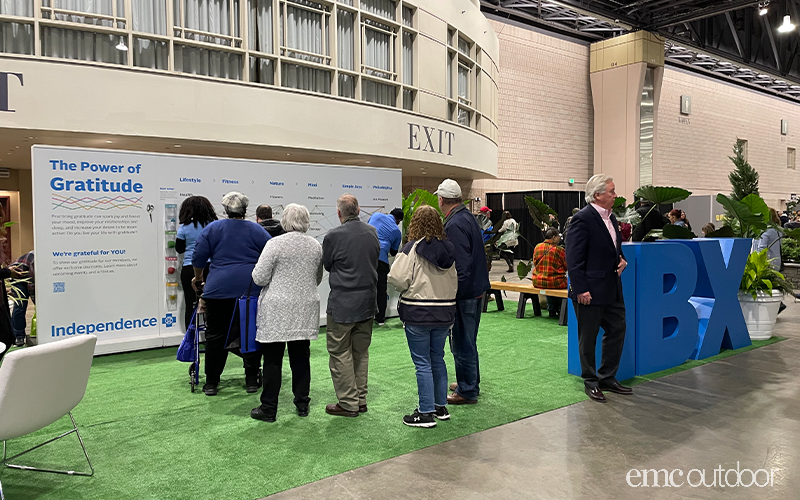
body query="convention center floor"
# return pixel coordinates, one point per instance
(742, 411)
(150, 437)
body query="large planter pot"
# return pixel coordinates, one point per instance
(761, 313)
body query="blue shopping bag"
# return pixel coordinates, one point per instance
(245, 313)
(187, 351)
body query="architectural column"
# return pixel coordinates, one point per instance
(626, 74)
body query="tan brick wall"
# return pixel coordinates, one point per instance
(545, 113)
(694, 156)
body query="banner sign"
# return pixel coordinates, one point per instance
(105, 224)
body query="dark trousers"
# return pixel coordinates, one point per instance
(189, 295)
(383, 297)
(218, 321)
(509, 258)
(464, 346)
(300, 363)
(18, 321)
(590, 319)
(554, 306)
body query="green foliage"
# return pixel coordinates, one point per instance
(792, 233)
(723, 232)
(660, 194)
(673, 232)
(539, 211)
(759, 276)
(412, 202)
(790, 249)
(743, 222)
(744, 178)
(619, 202)
(524, 269)
(757, 206)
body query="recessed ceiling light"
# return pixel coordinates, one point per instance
(369, 162)
(288, 154)
(30, 137)
(176, 146)
(16, 147)
(109, 142)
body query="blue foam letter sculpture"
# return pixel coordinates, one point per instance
(666, 275)
(720, 264)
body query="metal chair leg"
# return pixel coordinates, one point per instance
(55, 471)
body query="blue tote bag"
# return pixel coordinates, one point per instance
(245, 313)
(187, 352)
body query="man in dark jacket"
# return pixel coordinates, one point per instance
(594, 265)
(350, 254)
(264, 217)
(473, 280)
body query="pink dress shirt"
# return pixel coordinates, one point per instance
(606, 216)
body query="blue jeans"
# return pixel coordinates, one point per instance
(464, 345)
(18, 322)
(427, 351)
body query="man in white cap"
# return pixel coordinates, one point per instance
(473, 280)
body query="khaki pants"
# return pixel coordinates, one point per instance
(348, 346)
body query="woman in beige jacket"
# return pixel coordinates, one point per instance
(424, 273)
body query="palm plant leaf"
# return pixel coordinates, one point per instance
(524, 269)
(744, 223)
(723, 232)
(757, 206)
(673, 232)
(415, 200)
(660, 194)
(539, 211)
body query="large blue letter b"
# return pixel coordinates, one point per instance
(667, 323)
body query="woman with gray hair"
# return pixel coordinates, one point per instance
(289, 270)
(231, 246)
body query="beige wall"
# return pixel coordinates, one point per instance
(545, 113)
(694, 155)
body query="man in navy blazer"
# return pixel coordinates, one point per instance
(594, 265)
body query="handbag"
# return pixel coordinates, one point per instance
(245, 313)
(187, 351)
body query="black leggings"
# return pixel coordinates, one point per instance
(189, 295)
(219, 313)
(299, 361)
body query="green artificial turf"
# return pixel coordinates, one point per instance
(149, 437)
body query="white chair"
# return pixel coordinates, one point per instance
(38, 386)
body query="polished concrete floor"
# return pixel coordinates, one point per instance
(744, 409)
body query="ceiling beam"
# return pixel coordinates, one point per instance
(735, 35)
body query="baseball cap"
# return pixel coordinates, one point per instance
(235, 202)
(486, 209)
(449, 189)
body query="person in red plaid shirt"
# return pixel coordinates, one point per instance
(550, 268)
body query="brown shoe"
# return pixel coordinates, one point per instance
(458, 399)
(454, 386)
(335, 409)
(362, 408)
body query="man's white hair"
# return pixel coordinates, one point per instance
(295, 218)
(597, 185)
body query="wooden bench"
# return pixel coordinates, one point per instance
(526, 292)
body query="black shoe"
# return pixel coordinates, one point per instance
(210, 389)
(595, 394)
(441, 413)
(418, 419)
(20, 341)
(302, 411)
(252, 383)
(781, 308)
(616, 388)
(258, 413)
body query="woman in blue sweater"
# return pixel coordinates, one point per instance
(232, 246)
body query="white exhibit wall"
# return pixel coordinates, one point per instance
(103, 219)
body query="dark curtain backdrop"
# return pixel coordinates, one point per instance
(561, 201)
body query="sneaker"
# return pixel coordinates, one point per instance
(381, 323)
(441, 413)
(20, 341)
(418, 419)
(210, 389)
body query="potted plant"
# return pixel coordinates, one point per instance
(760, 294)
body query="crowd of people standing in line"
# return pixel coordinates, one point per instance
(440, 273)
